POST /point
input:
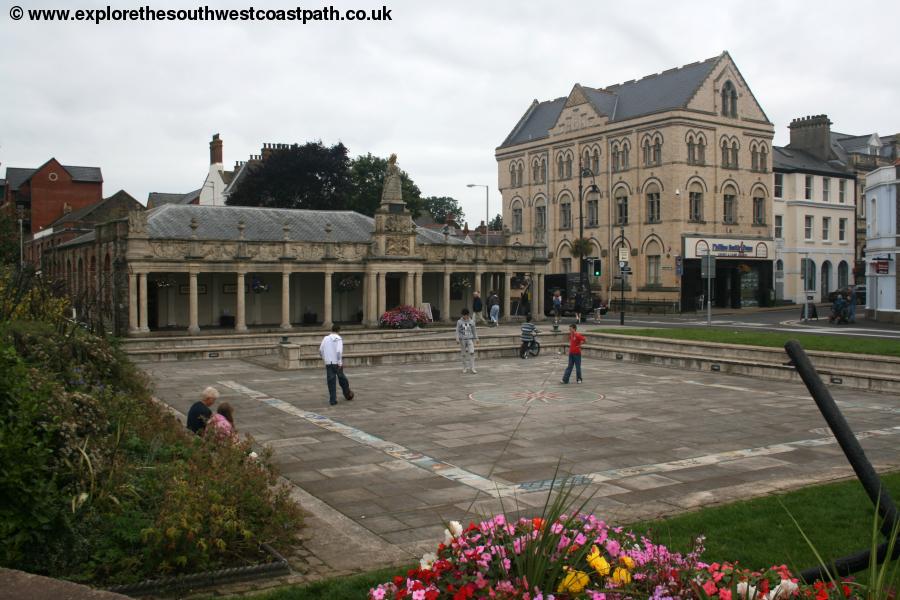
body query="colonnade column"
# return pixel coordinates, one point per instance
(142, 291)
(382, 295)
(240, 319)
(479, 276)
(132, 303)
(418, 290)
(193, 321)
(370, 307)
(537, 308)
(445, 298)
(507, 289)
(409, 289)
(286, 300)
(327, 322)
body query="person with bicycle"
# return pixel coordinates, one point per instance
(529, 333)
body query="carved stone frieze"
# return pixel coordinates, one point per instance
(169, 249)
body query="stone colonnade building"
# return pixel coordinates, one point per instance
(184, 267)
(672, 166)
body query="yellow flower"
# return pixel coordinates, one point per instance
(573, 582)
(621, 576)
(627, 562)
(596, 560)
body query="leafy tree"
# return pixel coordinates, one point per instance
(310, 176)
(581, 247)
(367, 183)
(496, 223)
(9, 239)
(441, 206)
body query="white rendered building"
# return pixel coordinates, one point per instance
(882, 241)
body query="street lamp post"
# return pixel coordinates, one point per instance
(622, 281)
(487, 207)
(21, 214)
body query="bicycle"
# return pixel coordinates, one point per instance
(530, 349)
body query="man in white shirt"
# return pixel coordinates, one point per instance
(331, 350)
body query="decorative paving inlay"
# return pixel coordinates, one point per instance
(572, 394)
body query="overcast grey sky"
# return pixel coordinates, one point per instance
(441, 84)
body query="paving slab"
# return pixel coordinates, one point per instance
(420, 445)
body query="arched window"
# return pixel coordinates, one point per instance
(536, 171)
(734, 155)
(729, 100)
(695, 195)
(826, 279)
(565, 213)
(779, 265)
(759, 207)
(726, 155)
(517, 216)
(513, 180)
(657, 151)
(568, 164)
(754, 158)
(616, 158)
(560, 166)
(691, 150)
(652, 253)
(653, 208)
(808, 274)
(843, 274)
(543, 178)
(626, 149)
(595, 162)
(645, 146)
(763, 158)
(729, 205)
(621, 207)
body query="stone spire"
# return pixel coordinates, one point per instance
(392, 195)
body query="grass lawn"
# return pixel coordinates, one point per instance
(829, 343)
(757, 533)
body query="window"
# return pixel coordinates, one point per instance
(696, 203)
(565, 215)
(621, 209)
(647, 157)
(536, 172)
(729, 100)
(779, 227)
(726, 162)
(754, 159)
(842, 230)
(560, 167)
(842, 190)
(692, 151)
(826, 227)
(826, 189)
(540, 217)
(657, 151)
(763, 159)
(843, 274)
(595, 162)
(653, 206)
(653, 270)
(543, 178)
(701, 151)
(616, 158)
(808, 227)
(759, 210)
(779, 265)
(569, 166)
(807, 194)
(734, 155)
(592, 213)
(779, 185)
(808, 274)
(566, 265)
(517, 220)
(729, 208)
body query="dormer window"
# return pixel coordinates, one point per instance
(729, 100)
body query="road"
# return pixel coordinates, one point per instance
(788, 320)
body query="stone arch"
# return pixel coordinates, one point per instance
(733, 183)
(652, 239)
(699, 181)
(645, 188)
(760, 187)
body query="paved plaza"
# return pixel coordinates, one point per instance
(423, 444)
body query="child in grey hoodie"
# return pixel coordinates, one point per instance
(466, 336)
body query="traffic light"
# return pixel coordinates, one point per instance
(597, 267)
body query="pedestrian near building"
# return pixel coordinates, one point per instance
(332, 350)
(576, 340)
(851, 304)
(200, 414)
(557, 306)
(494, 304)
(477, 307)
(466, 336)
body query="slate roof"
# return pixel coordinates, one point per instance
(157, 199)
(792, 160)
(16, 176)
(81, 213)
(82, 239)
(668, 90)
(172, 221)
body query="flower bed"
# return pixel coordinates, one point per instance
(396, 318)
(581, 557)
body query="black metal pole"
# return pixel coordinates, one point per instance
(622, 281)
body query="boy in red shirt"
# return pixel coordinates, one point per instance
(575, 342)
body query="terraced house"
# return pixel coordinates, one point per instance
(672, 166)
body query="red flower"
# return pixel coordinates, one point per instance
(538, 523)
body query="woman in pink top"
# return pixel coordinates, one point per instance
(222, 423)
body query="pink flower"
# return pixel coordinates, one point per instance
(613, 547)
(709, 587)
(724, 594)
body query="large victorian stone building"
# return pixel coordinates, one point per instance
(187, 267)
(672, 167)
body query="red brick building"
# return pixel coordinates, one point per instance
(50, 191)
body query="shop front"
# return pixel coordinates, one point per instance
(743, 272)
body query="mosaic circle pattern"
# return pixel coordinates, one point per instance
(568, 394)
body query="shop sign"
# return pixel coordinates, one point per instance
(881, 267)
(725, 248)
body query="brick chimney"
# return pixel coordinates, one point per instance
(215, 150)
(812, 134)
